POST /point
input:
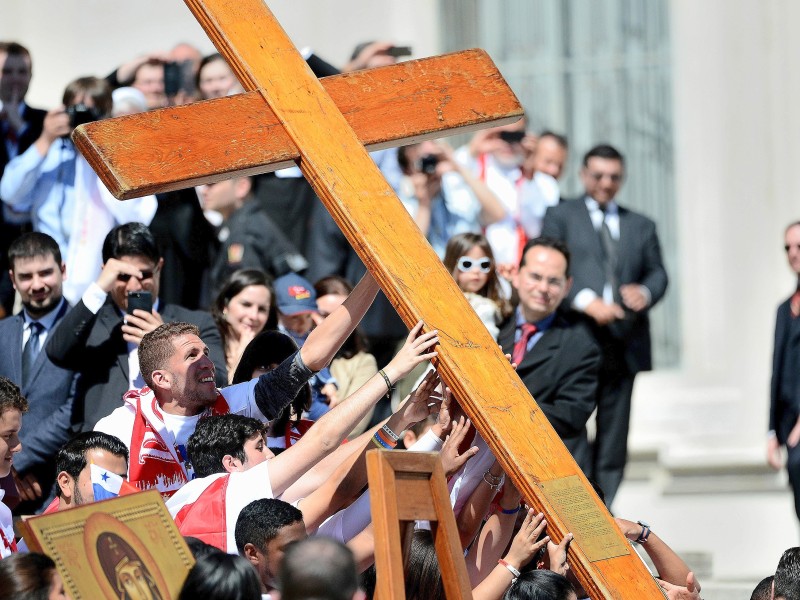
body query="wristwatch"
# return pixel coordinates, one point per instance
(645, 532)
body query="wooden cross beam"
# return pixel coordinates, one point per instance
(175, 148)
(335, 163)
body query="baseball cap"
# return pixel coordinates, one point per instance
(295, 295)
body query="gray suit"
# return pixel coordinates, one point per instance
(49, 391)
(626, 343)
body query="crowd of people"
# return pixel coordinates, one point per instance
(221, 343)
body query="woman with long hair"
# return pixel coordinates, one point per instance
(243, 308)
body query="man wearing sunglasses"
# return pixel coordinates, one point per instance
(99, 337)
(619, 277)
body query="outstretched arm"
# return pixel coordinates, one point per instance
(670, 567)
(323, 343)
(351, 476)
(327, 433)
(526, 544)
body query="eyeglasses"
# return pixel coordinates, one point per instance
(125, 278)
(466, 264)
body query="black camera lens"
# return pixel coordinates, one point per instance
(427, 164)
(80, 114)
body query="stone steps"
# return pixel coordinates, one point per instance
(722, 509)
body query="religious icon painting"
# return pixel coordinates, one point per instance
(125, 548)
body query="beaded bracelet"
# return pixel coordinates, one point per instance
(392, 435)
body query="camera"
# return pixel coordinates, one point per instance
(427, 164)
(142, 300)
(178, 76)
(398, 51)
(512, 137)
(80, 114)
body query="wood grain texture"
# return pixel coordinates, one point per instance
(409, 272)
(183, 146)
(414, 487)
(333, 159)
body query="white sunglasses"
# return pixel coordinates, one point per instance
(466, 264)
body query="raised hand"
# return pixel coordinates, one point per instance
(414, 351)
(452, 461)
(418, 404)
(526, 543)
(557, 555)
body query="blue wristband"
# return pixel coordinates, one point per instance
(378, 439)
(511, 511)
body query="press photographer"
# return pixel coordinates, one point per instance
(54, 184)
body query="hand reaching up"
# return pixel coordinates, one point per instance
(676, 592)
(452, 461)
(526, 543)
(416, 350)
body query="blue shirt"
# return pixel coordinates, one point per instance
(541, 327)
(45, 187)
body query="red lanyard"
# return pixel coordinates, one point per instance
(11, 545)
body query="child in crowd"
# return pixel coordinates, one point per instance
(12, 406)
(469, 258)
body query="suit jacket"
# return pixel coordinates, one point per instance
(34, 117)
(93, 346)
(783, 414)
(560, 372)
(639, 261)
(49, 391)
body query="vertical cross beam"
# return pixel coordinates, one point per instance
(383, 234)
(392, 247)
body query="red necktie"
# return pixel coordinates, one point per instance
(528, 329)
(794, 304)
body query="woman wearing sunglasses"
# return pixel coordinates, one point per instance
(469, 258)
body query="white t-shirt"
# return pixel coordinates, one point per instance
(202, 510)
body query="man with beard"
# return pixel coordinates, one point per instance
(37, 273)
(155, 422)
(74, 463)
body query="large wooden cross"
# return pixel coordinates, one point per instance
(288, 104)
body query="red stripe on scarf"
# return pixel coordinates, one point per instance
(152, 462)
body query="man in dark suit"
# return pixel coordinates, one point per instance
(556, 360)
(37, 273)
(20, 125)
(100, 340)
(618, 276)
(784, 410)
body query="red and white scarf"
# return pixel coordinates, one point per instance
(155, 461)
